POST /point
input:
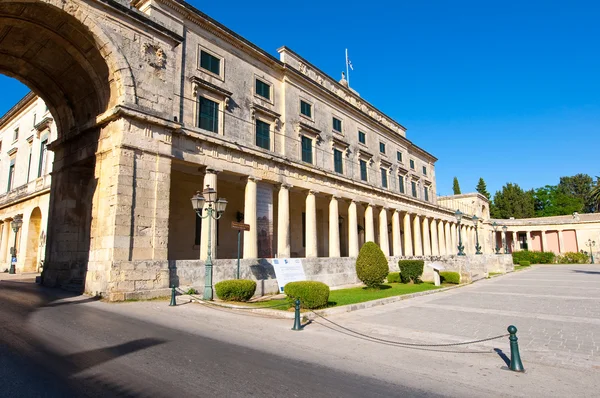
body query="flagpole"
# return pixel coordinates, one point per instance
(347, 69)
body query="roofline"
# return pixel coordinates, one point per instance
(23, 102)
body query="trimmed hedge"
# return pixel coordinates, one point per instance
(411, 270)
(524, 263)
(235, 289)
(312, 294)
(573, 258)
(371, 265)
(534, 257)
(393, 277)
(450, 277)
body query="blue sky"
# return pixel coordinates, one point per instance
(508, 91)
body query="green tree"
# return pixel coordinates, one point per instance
(482, 188)
(595, 195)
(512, 201)
(455, 186)
(551, 201)
(579, 186)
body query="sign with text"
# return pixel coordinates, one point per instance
(287, 270)
(239, 225)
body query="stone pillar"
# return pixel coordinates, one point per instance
(4, 244)
(408, 246)
(454, 238)
(369, 227)
(250, 237)
(435, 250)
(426, 240)
(283, 222)
(396, 242)
(442, 238)
(384, 243)
(529, 241)
(210, 180)
(544, 241)
(334, 228)
(561, 242)
(417, 233)
(352, 230)
(311, 225)
(515, 243)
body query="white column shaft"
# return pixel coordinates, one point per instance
(408, 245)
(384, 243)
(426, 239)
(210, 179)
(396, 242)
(352, 230)
(417, 233)
(283, 222)
(435, 250)
(334, 228)
(311, 226)
(250, 237)
(369, 227)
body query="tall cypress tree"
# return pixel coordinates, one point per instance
(482, 188)
(455, 186)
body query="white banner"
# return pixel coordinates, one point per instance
(287, 270)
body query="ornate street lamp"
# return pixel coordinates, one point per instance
(214, 210)
(591, 243)
(504, 228)
(460, 248)
(495, 225)
(16, 225)
(477, 246)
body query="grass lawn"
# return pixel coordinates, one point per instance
(521, 267)
(361, 294)
(495, 273)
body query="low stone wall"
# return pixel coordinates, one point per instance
(148, 279)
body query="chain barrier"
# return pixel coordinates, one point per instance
(228, 307)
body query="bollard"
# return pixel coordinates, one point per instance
(173, 301)
(515, 358)
(297, 324)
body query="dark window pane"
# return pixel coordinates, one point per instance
(337, 125)
(381, 147)
(363, 170)
(208, 118)
(307, 150)
(412, 164)
(424, 170)
(384, 178)
(263, 135)
(263, 89)
(210, 63)
(399, 156)
(401, 184)
(362, 138)
(426, 194)
(305, 109)
(337, 161)
(414, 188)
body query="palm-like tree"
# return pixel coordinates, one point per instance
(595, 194)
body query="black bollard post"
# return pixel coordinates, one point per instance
(297, 324)
(173, 301)
(515, 358)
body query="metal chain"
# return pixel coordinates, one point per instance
(228, 307)
(409, 344)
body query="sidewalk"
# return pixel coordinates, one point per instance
(16, 277)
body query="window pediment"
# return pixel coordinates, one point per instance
(12, 151)
(305, 129)
(198, 83)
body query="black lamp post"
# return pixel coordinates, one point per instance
(504, 228)
(495, 225)
(215, 209)
(460, 248)
(477, 246)
(591, 243)
(16, 225)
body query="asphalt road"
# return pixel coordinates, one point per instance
(58, 349)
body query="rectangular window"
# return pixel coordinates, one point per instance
(263, 135)
(337, 125)
(337, 161)
(263, 89)
(43, 156)
(208, 115)
(412, 164)
(362, 137)
(363, 170)
(306, 109)
(401, 183)
(307, 155)
(384, 178)
(16, 134)
(426, 194)
(11, 174)
(210, 62)
(414, 188)
(399, 156)
(382, 147)
(424, 170)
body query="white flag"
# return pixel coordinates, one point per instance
(350, 64)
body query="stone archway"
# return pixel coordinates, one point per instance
(32, 248)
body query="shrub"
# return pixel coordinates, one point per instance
(312, 294)
(191, 290)
(524, 263)
(393, 277)
(371, 265)
(450, 277)
(411, 270)
(235, 290)
(533, 257)
(573, 258)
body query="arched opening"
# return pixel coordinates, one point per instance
(32, 249)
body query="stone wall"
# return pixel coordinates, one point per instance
(148, 279)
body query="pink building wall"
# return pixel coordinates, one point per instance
(570, 241)
(552, 242)
(536, 241)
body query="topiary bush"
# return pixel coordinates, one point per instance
(534, 257)
(411, 270)
(393, 277)
(524, 263)
(573, 258)
(235, 289)
(371, 265)
(312, 294)
(450, 277)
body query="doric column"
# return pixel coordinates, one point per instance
(454, 238)
(210, 180)
(5, 238)
(311, 225)
(283, 222)
(529, 241)
(426, 240)
(515, 243)
(417, 233)
(352, 230)
(334, 228)
(448, 236)
(250, 237)
(442, 238)
(408, 246)
(396, 242)
(384, 243)
(369, 227)
(544, 242)
(435, 250)
(561, 242)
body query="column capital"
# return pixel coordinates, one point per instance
(312, 192)
(211, 170)
(335, 196)
(255, 179)
(285, 185)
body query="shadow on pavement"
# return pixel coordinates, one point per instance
(580, 271)
(503, 356)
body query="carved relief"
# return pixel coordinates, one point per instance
(154, 56)
(303, 68)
